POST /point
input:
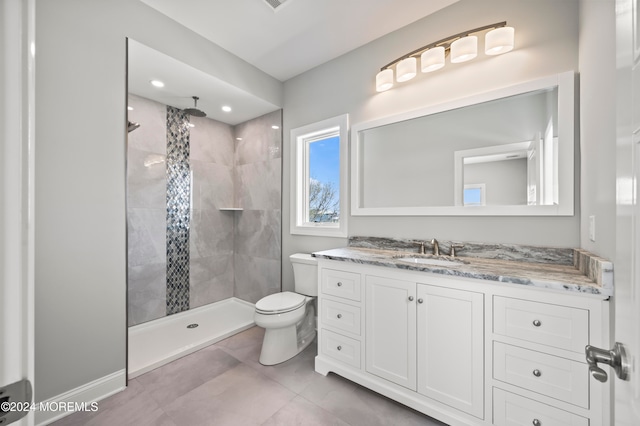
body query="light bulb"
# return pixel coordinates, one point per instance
(384, 80)
(432, 59)
(499, 41)
(464, 49)
(406, 69)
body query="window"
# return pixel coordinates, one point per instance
(474, 195)
(319, 178)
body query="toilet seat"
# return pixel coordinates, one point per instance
(280, 303)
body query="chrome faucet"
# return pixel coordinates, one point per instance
(436, 247)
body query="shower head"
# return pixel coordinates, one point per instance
(131, 126)
(195, 111)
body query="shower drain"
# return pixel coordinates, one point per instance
(192, 325)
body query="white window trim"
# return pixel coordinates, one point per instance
(300, 138)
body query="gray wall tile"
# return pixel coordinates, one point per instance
(151, 135)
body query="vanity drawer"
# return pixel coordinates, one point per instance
(514, 410)
(341, 316)
(557, 326)
(549, 375)
(342, 348)
(341, 284)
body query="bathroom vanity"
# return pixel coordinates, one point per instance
(470, 340)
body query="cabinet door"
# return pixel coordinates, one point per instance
(451, 347)
(390, 311)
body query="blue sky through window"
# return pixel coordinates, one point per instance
(324, 167)
(324, 160)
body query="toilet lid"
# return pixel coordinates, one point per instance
(280, 302)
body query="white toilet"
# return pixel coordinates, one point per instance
(289, 318)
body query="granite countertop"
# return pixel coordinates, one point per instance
(584, 274)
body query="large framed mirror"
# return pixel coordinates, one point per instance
(508, 152)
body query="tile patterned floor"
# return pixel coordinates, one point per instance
(224, 384)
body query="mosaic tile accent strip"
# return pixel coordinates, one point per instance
(178, 210)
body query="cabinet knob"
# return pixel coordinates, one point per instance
(410, 298)
(537, 323)
(537, 373)
(339, 284)
(339, 348)
(420, 300)
(536, 422)
(339, 316)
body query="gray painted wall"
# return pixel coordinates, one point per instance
(598, 145)
(80, 253)
(546, 43)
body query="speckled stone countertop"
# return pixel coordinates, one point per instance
(564, 269)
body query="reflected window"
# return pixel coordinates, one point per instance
(474, 195)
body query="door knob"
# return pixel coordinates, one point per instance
(616, 358)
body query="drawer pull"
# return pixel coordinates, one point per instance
(537, 323)
(339, 348)
(536, 422)
(339, 316)
(339, 284)
(537, 373)
(420, 300)
(410, 298)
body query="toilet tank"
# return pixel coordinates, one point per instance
(305, 273)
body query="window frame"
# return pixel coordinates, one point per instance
(301, 138)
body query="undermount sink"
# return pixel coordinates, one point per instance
(425, 260)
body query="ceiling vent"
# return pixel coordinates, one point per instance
(275, 4)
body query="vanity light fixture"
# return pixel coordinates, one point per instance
(462, 47)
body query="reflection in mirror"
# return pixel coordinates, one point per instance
(500, 154)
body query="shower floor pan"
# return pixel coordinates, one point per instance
(161, 341)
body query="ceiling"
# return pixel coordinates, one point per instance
(183, 81)
(295, 37)
(299, 34)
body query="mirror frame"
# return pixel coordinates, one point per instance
(566, 135)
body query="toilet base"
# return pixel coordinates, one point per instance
(282, 344)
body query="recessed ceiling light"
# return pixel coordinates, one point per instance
(226, 108)
(275, 127)
(157, 83)
(129, 108)
(238, 139)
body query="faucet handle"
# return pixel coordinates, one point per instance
(454, 247)
(421, 244)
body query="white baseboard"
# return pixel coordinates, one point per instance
(91, 392)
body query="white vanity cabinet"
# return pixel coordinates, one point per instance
(428, 339)
(464, 351)
(390, 336)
